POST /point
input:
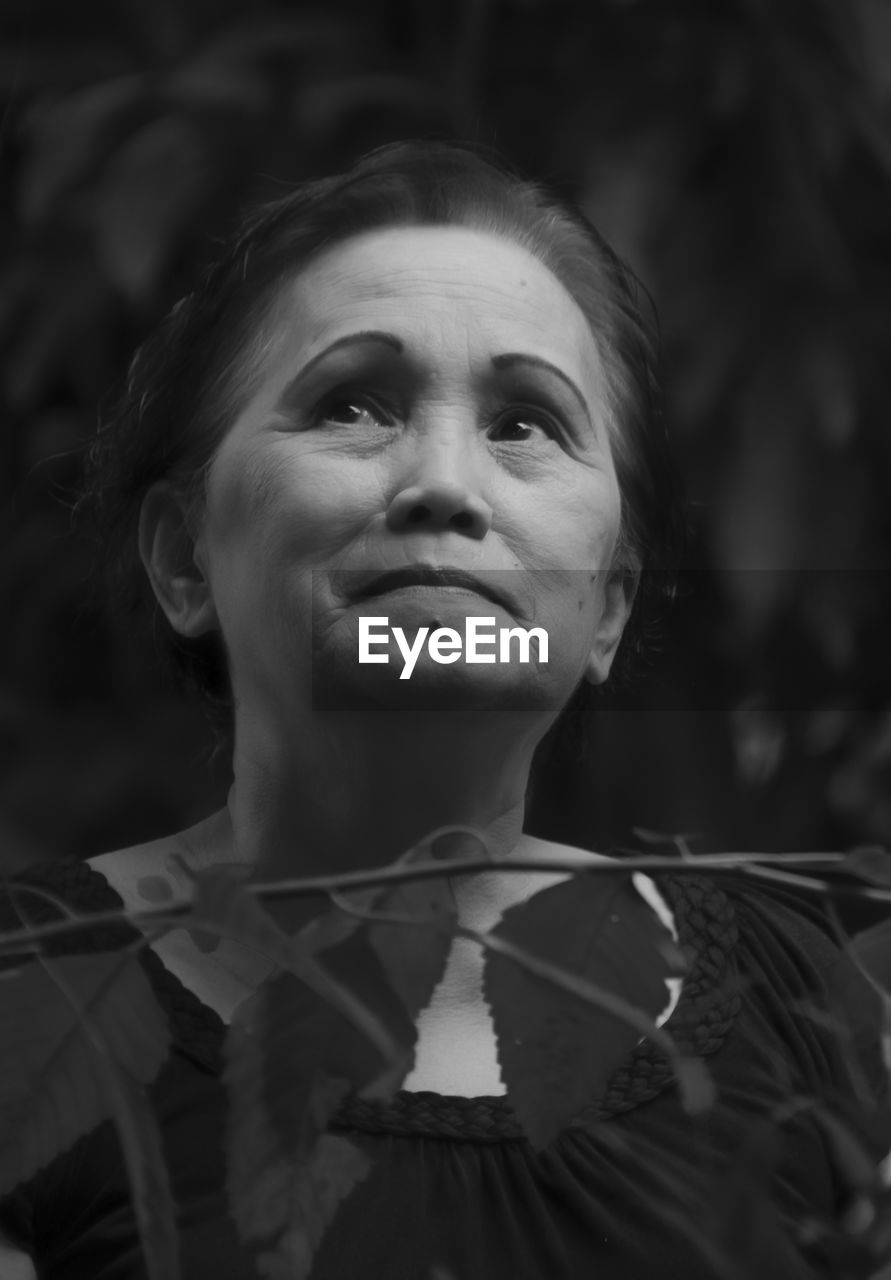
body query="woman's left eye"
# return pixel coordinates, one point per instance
(519, 425)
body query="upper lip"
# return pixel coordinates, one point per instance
(371, 584)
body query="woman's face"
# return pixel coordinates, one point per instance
(428, 398)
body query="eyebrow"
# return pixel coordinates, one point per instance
(348, 340)
(512, 358)
(503, 362)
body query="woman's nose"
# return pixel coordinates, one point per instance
(441, 496)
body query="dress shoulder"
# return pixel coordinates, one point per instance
(36, 895)
(809, 994)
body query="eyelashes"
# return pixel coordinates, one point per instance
(358, 410)
(346, 409)
(526, 420)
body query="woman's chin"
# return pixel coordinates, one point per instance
(433, 687)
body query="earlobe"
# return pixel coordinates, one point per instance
(172, 560)
(619, 591)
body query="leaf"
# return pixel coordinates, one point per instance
(680, 840)
(348, 1000)
(284, 1186)
(210, 84)
(742, 1207)
(875, 46)
(262, 1153)
(254, 40)
(855, 1163)
(316, 1191)
(871, 950)
(861, 1010)
(147, 1173)
(696, 1086)
(219, 898)
(323, 106)
(222, 900)
(150, 192)
(333, 927)
(376, 1050)
(414, 956)
(870, 862)
(413, 959)
(70, 137)
(137, 1129)
(50, 1092)
(255, 1154)
(301, 1041)
(351, 908)
(305, 1038)
(555, 1049)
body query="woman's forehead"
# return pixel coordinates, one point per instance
(438, 283)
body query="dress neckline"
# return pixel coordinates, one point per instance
(699, 1024)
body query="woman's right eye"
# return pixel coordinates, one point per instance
(353, 411)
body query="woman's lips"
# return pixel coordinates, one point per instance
(366, 585)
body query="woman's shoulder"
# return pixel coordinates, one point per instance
(131, 878)
(140, 873)
(153, 870)
(798, 973)
(789, 927)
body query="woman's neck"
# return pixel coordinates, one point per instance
(358, 792)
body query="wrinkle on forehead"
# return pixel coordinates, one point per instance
(438, 273)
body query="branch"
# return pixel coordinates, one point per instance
(732, 864)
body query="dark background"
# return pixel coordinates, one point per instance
(736, 152)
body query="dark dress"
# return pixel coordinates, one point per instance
(636, 1190)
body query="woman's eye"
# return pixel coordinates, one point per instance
(353, 411)
(519, 425)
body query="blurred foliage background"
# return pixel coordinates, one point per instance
(736, 152)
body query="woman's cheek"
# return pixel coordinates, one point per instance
(327, 503)
(597, 528)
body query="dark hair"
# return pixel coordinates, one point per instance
(189, 379)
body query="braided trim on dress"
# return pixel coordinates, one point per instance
(198, 1030)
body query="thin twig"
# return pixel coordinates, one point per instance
(750, 865)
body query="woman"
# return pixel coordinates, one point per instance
(417, 393)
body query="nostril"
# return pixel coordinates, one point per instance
(439, 506)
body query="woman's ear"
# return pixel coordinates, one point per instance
(619, 590)
(172, 560)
